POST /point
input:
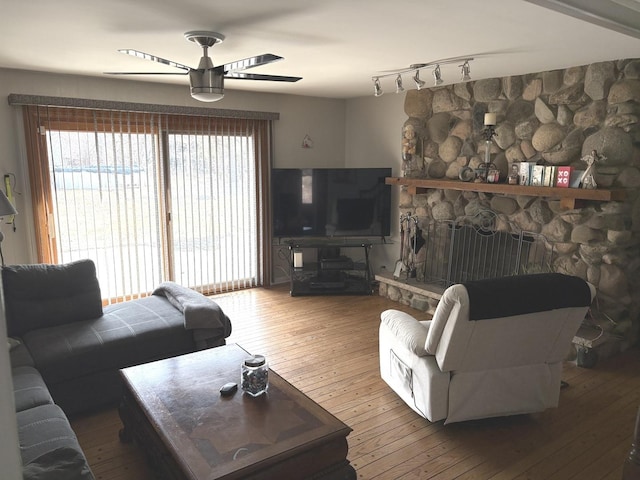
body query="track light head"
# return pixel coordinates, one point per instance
(399, 87)
(437, 75)
(416, 79)
(466, 71)
(377, 89)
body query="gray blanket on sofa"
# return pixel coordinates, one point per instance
(203, 316)
(63, 463)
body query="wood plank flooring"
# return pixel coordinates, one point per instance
(328, 348)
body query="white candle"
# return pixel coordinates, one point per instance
(297, 260)
(489, 119)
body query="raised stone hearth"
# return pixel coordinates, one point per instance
(553, 118)
(409, 291)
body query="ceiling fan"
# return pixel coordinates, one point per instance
(207, 81)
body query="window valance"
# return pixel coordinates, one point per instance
(47, 101)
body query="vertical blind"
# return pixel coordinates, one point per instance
(151, 197)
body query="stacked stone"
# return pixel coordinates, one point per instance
(553, 118)
(423, 301)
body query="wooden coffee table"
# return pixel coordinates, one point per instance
(173, 409)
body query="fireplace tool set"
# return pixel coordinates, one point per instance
(411, 241)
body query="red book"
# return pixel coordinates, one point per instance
(564, 175)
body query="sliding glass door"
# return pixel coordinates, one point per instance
(106, 206)
(214, 218)
(151, 197)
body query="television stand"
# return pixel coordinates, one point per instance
(332, 271)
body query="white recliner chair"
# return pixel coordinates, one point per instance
(493, 348)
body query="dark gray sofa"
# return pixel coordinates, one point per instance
(48, 445)
(69, 350)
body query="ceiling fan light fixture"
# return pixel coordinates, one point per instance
(207, 85)
(206, 95)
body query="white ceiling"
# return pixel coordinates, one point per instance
(335, 45)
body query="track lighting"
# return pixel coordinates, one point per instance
(415, 70)
(466, 71)
(399, 87)
(416, 78)
(377, 89)
(437, 76)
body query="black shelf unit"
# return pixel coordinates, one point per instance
(333, 273)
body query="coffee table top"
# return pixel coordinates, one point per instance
(211, 436)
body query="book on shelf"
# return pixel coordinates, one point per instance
(563, 177)
(575, 179)
(537, 175)
(514, 175)
(525, 173)
(550, 176)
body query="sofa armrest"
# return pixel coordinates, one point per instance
(409, 331)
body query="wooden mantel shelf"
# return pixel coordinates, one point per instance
(567, 196)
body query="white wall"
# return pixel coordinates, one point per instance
(374, 139)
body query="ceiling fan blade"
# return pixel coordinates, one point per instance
(153, 58)
(257, 76)
(146, 73)
(251, 62)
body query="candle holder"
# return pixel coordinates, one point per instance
(491, 175)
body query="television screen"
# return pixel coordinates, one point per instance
(330, 202)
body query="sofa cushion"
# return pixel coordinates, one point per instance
(127, 334)
(45, 434)
(41, 295)
(20, 356)
(13, 343)
(29, 389)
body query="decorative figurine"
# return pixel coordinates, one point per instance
(489, 132)
(409, 142)
(587, 180)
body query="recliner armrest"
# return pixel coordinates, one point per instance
(453, 303)
(409, 331)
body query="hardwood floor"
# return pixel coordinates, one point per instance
(327, 347)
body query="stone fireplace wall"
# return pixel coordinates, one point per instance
(554, 118)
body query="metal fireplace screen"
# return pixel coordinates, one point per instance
(471, 249)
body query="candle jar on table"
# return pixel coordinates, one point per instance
(255, 375)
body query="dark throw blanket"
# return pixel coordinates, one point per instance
(522, 294)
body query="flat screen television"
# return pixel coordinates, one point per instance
(330, 202)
